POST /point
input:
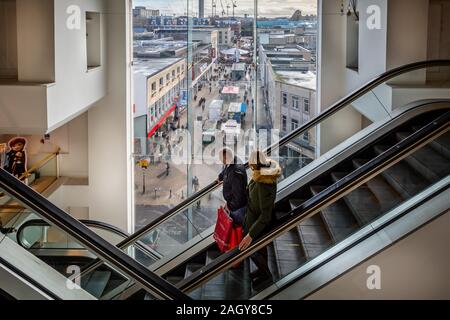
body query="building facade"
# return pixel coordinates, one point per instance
(158, 84)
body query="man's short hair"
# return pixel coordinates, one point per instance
(228, 154)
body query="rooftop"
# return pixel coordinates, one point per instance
(150, 67)
(298, 78)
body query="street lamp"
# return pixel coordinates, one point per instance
(143, 163)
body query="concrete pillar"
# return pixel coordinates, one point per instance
(110, 128)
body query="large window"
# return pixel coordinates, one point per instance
(294, 124)
(295, 102)
(284, 98)
(203, 69)
(306, 105)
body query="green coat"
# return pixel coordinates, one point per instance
(261, 192)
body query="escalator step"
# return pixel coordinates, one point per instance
(402, 177)
(361, 201)
(174, 279)
(338, 218)
(440, 144)
(191, 268)
(427, 161)
(387, 196)
(98, 282)
(289, 253)
(212, 255)
(314, 236)
(294, 203)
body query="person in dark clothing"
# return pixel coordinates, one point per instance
(262, 191)
(234, 179)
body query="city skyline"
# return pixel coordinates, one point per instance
(266, 8)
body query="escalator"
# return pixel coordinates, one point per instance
(58, 251)
(28, 272)
(321, 204)
(195, 261)
(315, 227)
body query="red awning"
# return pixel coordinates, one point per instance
(161, 121)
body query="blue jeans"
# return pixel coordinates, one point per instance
(238, 216)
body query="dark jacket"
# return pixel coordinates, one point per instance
(234, 179)
(262, 191)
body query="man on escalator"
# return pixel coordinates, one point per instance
(234, 179)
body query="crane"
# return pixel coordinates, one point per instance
(214, 8)
(223, 9)
(234, 6)
(228, 7)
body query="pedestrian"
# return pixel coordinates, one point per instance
(196, 187)
(262, 191)
(195, 183)
(167, 168)
(234, 178)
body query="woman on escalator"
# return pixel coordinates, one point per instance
(261, 191)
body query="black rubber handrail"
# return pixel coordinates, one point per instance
(309, 207)
(286, 139)
(110, 253)
(91, 224)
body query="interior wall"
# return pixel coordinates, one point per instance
(72, 199)
(331, 52)
(72, 139)
(35, 34)
(416, 267)
(407, 32)
(438, 35)
(76, 88)
(8, 39)
(336, 129)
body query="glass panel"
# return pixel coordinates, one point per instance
(307, 150)
(347, 215)
(184, 229)
(41, 177)
(64, 258)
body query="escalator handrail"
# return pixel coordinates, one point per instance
(90, 223)
(340, 104)
(110, 253)
(315, 203)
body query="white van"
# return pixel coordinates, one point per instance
(231, 130)
(209, 131)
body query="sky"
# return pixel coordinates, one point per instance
(266, 8)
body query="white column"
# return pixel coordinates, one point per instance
(110, 127)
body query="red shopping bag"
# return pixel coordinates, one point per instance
(235, 237)
(222, 232)
(235, 240)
